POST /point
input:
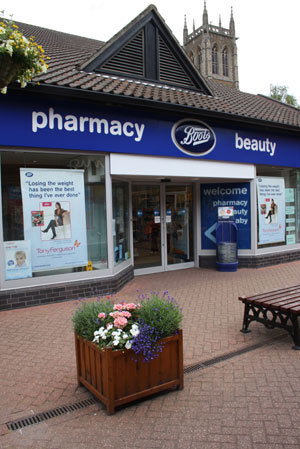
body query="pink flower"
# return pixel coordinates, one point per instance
(120, 322)
(118, 307)
(102, 315)
(125, 314)
(130, 306)
(115, 315)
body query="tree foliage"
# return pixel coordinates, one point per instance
(280, 93)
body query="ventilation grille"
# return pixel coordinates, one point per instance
(44, 416)
(170, 70)
(130, 59)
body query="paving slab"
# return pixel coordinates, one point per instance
(248, 401)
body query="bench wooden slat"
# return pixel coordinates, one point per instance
(296, 310)
(275, 302)
(290, 306)
(275, 293)
(287, 304)
(273, 299)
(272, 303)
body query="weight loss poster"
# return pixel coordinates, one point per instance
(54, 217)
(271, 210)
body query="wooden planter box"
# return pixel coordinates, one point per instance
(115, 379)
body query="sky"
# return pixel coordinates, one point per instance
(267, 30)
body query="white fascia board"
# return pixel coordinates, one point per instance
(132, 165)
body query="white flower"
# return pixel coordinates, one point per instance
(125, 336)
(109, 327)
(116, 333)
(128, 344)
(115, 342)
(134, 330)
(96, 339)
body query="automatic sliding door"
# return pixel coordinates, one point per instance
(179, 224)
(146, 226)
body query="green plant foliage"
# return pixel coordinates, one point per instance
(85, 319)
(280, 93)
(162, 313)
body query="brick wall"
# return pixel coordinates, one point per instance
(254, 261)
(33, 296)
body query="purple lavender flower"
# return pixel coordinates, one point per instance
(146, 343)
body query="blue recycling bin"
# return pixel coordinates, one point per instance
(226, 241)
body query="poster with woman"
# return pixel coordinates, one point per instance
(271, 210)
(54, 217)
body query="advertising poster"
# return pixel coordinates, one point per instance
(54, 217)
(225, 212)
(271, 210)
(228, 195)
(17, 259)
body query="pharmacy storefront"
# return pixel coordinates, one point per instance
(92, 195)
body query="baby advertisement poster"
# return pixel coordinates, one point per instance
(54, 217)
(17, 259)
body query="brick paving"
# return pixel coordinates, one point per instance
(251, 401)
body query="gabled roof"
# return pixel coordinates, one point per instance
(71, 54)
(147, 50)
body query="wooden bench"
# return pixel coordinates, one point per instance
(277, 308)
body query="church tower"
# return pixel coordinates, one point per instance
(213, 50)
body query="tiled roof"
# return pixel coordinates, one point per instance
(68, 52)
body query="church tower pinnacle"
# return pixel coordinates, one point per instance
(213, 50)
(185, 31)
(205, 15)
(231, 24)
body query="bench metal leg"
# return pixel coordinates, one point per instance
(295, 334)
(246, 320)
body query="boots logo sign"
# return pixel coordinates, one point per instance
(193, 137)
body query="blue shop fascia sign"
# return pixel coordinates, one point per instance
(45, 123)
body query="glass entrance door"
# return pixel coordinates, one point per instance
(162, 217)
(146, 226)
(179, 224)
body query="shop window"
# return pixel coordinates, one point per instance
(120, 221)
(54, 211)
(270, 213)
